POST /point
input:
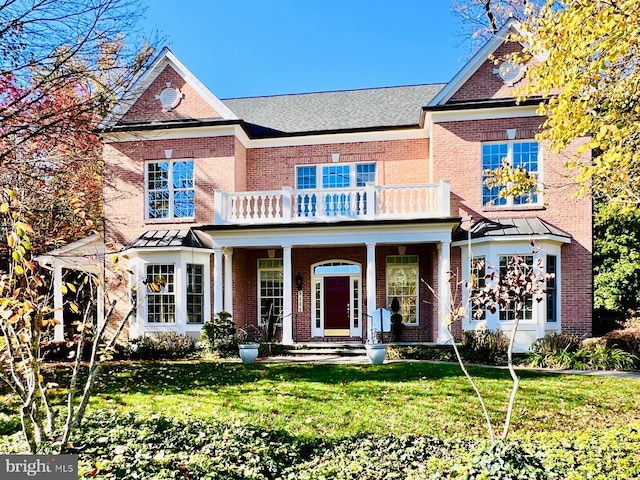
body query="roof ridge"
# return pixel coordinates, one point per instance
(388, 87)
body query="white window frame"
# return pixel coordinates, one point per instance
(171, 190)
(200, 295)
(390, 266)
(353, 173)
(261, 315)
(510, 201)
(169, 289)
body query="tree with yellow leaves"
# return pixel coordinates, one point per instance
(589, 74)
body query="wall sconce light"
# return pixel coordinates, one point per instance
(402, 250)
(299, 281)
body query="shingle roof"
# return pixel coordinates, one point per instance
(508, 227)
(330, 111)
(170, 238)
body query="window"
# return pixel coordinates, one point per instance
(195, 293)
(170, 189)
(478, 282)
(271, 289)
(402, 283)
(552, 291)
(333, 176)
(161, 301)
(508, 314)
(516, 154)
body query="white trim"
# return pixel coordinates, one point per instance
(528, 330)
(179, 258)
(539, 194)
(488, 113)
(171, 190)
(417, 284)
(415, 133)
(165, 58)
(334, 235)
(465, 73)
(353, 277)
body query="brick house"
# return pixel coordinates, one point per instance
(316, 209)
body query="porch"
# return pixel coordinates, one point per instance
(331, 278)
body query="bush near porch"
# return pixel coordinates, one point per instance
(400, 420)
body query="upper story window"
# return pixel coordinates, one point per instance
(170, 190)
(524, 154)
(335, 175)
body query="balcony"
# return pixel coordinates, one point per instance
(393, 202)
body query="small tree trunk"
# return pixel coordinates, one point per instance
(515, 378)
(473, 384)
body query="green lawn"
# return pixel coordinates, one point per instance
(224, 420)
(333, 401)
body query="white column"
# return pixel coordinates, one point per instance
(444, 290)
(228, 279)
(371, 288)
(58, 302)
(287, 304)
(218, 304)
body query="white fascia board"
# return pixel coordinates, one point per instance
(335, 236)
(238, 131)
(131, 253)
(333, 138)
(174, 133)
(513, 239)
(472, 65)
(488, 113)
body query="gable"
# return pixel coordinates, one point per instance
(480, 79)
(188, 104)
(486, 83)
(167, 92)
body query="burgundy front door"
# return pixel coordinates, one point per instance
(337, 314)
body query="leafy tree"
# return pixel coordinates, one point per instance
(616, 258)
(589, 74)
(26, 317)
(63, 65)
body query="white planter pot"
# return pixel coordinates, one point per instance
(376, 352)
(248, 352)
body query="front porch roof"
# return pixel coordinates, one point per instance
(348, 232)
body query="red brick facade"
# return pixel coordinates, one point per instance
(226, 158)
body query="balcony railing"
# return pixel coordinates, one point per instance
(329, 205)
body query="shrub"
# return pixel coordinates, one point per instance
(161, 345)
(627, 338)
(599, 356)
(217, 336)
(484, 346)
(555, 350)
(503, 460)
(563, 351)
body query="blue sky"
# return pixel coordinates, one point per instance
(241, 48)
